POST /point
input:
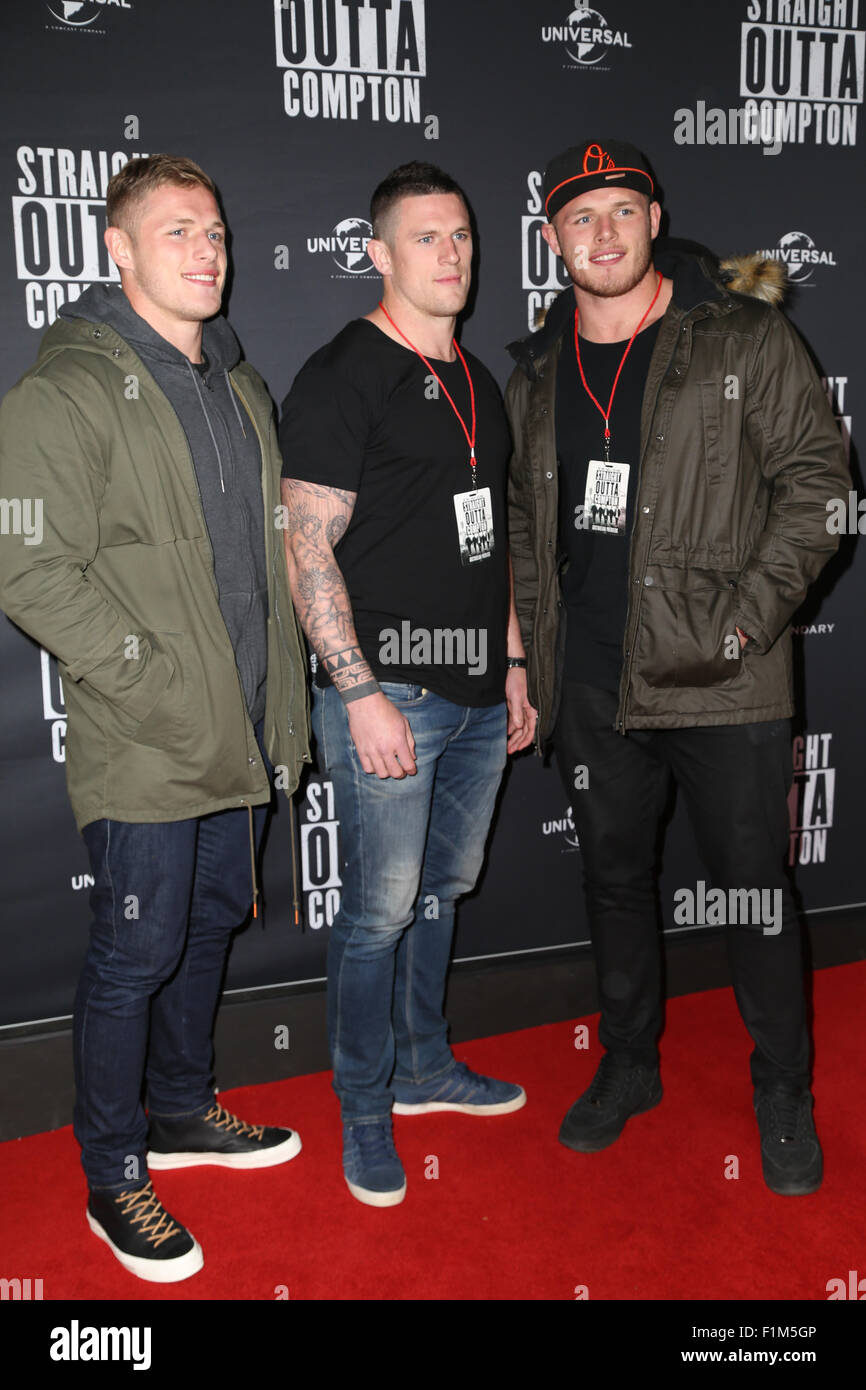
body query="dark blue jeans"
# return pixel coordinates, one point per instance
(166, 899)
(409, 849)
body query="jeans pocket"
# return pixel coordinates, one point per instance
(403, 692)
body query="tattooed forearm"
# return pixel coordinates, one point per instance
(350, 673)
(317, 518)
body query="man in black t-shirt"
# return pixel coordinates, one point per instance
(675, 437)
(395, 449)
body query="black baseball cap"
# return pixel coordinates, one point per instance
(594, 164)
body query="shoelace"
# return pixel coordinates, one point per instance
(786, 1116)
(462, 1079)
(608, 1081)
(231, 1124)
(375, 1141)
(147, 1211)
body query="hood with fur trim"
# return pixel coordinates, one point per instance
(755, 275)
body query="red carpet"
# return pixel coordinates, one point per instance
(512, 1214)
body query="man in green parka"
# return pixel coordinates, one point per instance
(159, 584)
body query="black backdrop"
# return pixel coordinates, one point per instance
(297, 110)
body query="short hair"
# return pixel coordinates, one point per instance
(413, 180)
(128, 188)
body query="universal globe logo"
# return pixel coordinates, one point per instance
(799, 254)
(347, 244)
(79, 13)
(586, 36)
(351, 237)
(564, 826)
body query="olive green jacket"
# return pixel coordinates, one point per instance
(740, 456)
(120, 587)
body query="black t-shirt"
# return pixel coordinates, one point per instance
(364, 414)
(595, 540)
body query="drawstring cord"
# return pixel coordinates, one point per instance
(231, 392)
(295, 902)
(292, 828)
(253, 864)
(194, 375)
(292, 839)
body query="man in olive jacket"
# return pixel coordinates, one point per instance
(159, 584)
(674, 458)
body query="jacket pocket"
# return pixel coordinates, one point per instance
(689, 632)
(163, 726)
(711, 429)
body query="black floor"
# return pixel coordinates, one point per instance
(36, 1090)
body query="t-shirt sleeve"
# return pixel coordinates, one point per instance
(324, 427)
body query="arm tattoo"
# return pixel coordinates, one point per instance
(335, 529)
(350, 673)
(317, 519)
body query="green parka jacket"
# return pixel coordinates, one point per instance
(740, 455)
(120, 587)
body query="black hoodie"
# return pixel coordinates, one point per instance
(227, 460)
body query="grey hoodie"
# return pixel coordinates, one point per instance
(227, 460)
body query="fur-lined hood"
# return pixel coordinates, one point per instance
(755, 275)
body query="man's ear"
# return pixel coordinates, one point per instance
(380, 254)
(548, 231)
(655, 212)
(119, 246)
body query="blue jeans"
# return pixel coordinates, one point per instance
(409, 849)
(166, 899)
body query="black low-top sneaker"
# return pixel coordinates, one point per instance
(791, 1154)
(185, 1141)
(144, 1238)
(616, 1092)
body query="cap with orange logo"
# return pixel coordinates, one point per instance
(594, 164)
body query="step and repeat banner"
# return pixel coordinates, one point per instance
(752, 114)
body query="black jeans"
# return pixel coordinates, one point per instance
(735, 779)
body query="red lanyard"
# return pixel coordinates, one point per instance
(470, 438)
(606, 414)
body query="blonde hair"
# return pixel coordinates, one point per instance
(128, 188)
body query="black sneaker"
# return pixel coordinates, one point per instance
(790, 1152)
(616, 1092)
(145, 1239)
(184, 1141)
